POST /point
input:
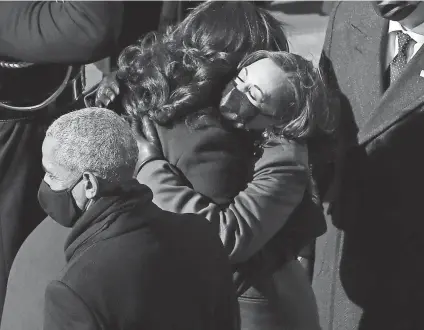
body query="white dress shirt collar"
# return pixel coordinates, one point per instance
(396, 26)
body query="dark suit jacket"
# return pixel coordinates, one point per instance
(131, 266)
(369, 269)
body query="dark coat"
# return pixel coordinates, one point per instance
(215, 162)
(131, 265)
(369, 270)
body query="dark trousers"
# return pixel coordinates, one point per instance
(21, 138)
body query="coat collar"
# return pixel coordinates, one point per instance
(104, 212)
(400, 99)
(384, 108)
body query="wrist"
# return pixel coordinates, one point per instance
(144, 161)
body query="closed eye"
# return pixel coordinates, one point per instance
(256, 94)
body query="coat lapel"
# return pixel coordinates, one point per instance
(402, 97)
(367, 37)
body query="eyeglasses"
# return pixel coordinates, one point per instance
(254, 91)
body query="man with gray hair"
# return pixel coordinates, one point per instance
(130, 265)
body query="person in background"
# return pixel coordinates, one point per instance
(130, 265)
(369, 269)
(38, 41)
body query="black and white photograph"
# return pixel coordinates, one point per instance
(211, 165)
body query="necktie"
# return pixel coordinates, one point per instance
(400, 60)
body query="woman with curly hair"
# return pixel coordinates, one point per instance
(177, 78)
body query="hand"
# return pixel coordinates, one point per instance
(149, 147)
(108, 90)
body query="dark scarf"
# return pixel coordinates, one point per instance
(104, 212)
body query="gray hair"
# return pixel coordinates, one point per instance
(95, 140)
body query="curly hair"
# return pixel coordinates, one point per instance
(172, 76)
(304, 111)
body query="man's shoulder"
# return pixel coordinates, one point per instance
(350, 14)
(113, 265)
(135, 263)
(142, 249)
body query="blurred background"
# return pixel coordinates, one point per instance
(305, 23)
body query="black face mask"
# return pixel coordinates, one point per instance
(395, 10)
(237, 108)
(60, 205)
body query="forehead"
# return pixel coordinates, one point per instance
(266, 74)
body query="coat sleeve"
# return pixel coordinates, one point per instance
(65, 310)
(59, 32)
(255, 214)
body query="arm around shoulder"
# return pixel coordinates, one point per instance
(255, 214)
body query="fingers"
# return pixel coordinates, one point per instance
(137, 128)
(105, 96)
(114, 86)
(149, 130)
(107, 92)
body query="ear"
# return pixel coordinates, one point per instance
(91, 185)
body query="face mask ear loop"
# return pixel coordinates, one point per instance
(75, 184)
